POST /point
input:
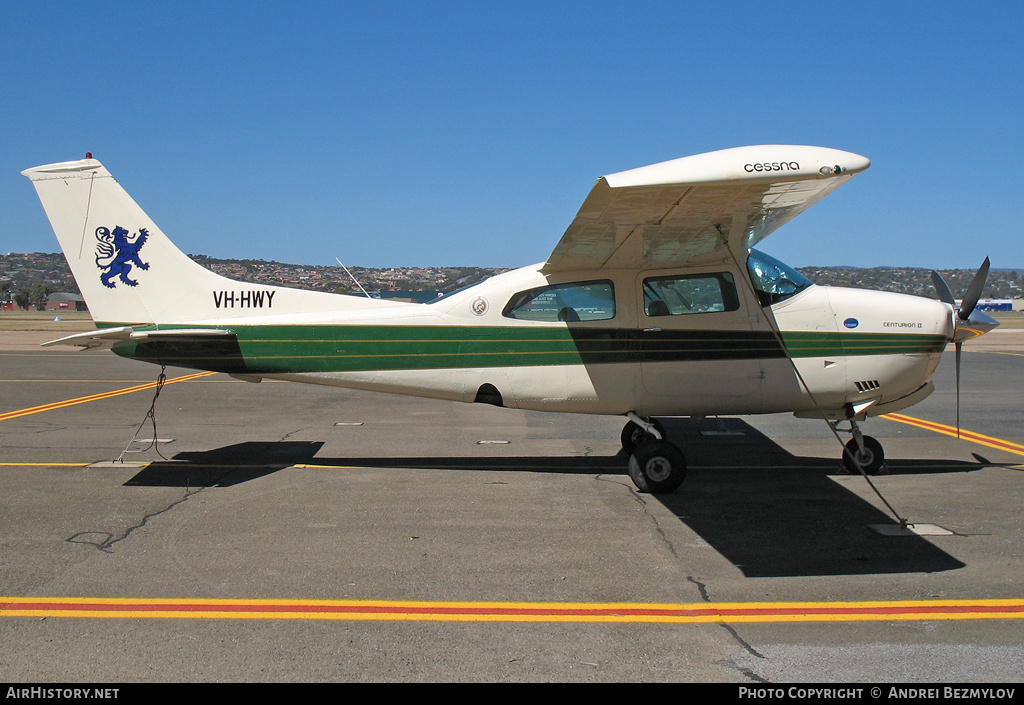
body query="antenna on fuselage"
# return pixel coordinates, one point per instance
(353, 278)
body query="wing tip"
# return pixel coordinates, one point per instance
(752, 163)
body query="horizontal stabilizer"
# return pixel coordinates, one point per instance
(196, 335)
(92, 339)
(109, 336)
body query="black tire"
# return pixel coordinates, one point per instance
(658, 467)
(872, 459)
(634, 435)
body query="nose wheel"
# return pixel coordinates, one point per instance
(871, 457)
(861, 452)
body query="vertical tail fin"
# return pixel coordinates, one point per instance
(129, 272)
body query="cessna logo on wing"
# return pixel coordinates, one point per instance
(772, 166)
(116, 253)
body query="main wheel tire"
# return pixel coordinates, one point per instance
(872, 459)
(657, 467)
(634, 435)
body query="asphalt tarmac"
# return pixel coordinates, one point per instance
(291, 533)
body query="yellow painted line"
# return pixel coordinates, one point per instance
(995, 352)
(964, 434)
(105, 381)
(617, 612)
(97, 397)
(74, 381)
(44, 465)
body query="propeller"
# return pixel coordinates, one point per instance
(968, 322)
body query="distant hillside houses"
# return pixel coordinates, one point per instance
(45, 273)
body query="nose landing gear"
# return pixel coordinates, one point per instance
(861, 452)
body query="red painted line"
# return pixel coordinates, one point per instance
(963, 434)
(374, 609)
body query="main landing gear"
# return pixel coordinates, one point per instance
(862, 452)
(655, 465)
(659, 467)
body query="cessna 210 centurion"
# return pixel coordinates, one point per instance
(653, 304)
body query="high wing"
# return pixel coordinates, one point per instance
(684, 210)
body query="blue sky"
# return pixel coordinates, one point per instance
(468, 133)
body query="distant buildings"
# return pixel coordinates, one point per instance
(65, 302)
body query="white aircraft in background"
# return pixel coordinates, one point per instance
(652, 304)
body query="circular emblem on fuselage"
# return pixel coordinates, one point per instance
(851, 323)
(479, 306)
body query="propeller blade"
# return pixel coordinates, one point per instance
(959, 351)
(974, 291)
(969, 323)
(945, 295)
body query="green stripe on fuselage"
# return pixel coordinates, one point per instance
(832, 344)
(353, 348)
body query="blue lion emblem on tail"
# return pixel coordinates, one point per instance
(116, 253)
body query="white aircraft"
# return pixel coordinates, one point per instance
(652, 304)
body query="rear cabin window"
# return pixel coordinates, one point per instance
(578, 301)
(690, 293)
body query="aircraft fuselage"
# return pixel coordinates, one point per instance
(720, 355)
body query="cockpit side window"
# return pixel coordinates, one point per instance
(774, 281)
(577, 301)
(690, 293)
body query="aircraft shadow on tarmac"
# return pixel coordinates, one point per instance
(773, 514)
(227, 466)
(770, 513)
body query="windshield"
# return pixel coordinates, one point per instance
(774, 281)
